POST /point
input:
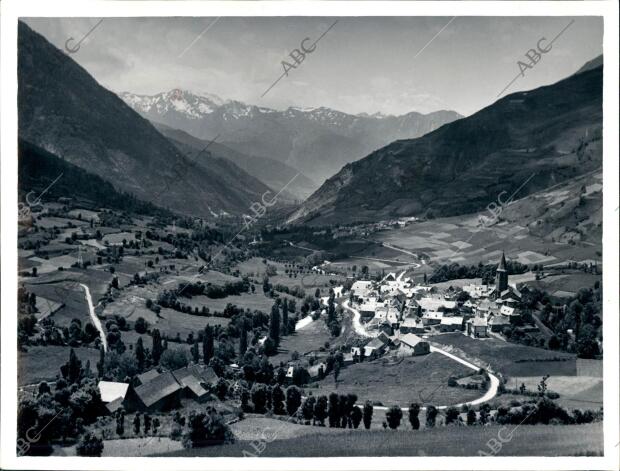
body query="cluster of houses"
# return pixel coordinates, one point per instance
(402, 310)
(155, 391)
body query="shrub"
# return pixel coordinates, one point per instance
(452, 415)
(367, 414)
(89, 445)
(393, 416)
(414, 411)
(206, 429)
(431, 416)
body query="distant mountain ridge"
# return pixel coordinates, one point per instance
(274, 174)
(63, 110)
(317, 141)
(523, 142)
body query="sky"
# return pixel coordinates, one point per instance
(391, 65)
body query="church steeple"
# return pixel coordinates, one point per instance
(501, 275)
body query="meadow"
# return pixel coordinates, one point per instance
(510, 359)
(422, 379)
(527, 440)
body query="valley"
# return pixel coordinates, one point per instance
(200, 276)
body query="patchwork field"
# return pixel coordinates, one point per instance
(527, 440)
(421, 379)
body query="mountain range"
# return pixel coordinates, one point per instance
(63, 110)
(522, 143)
(276, 175)
(316, 141)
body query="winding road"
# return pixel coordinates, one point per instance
(95, 319)
(494, 381)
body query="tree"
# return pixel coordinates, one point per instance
(284, 316)
(414, 411)
(243, 341)
(44, 388)
(120, 422)
(140, 354)
(277, 400)
(334, 410)
(174, 359)
(136, 424)
(452, 415)
(156, 350)
(205, 429)
(194, 350)
(208, 344)
(320, 410)
(89, 445)
(307, 409)
(484, 414)
(542, 386)
(293, 399)
(356, 416)
(393, 416)
(274, 324)
(72, 370)
(367, 414)
(431, 416)
(471, 417)
(101, 363)
(147, 423)
(221, 389)
(259, 397)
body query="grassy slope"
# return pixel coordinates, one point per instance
(503, 356)
(537, 440)
(415, 378)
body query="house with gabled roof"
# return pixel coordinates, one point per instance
(477, 327)
(148, 376)
(160, 393)
(451, 324)
(196, 380)
(413, 345)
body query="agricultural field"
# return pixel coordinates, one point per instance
(307, 339)
(576, 392)
(509, 359)
(527, 440)
(40, 363)
(422, 379)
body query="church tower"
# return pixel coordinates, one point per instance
(501, 276)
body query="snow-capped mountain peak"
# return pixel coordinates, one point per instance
(176, 100)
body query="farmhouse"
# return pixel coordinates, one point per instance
(477, 327)
(196, 380)
(411, 326)
(497, 323)
(451, 324)
(160, 393)
(375, 348)
(432, 318)
(113, 394)
(413, 345)
(148, 376)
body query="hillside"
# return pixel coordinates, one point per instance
(63, 110)
(272, 173)
(524, 142)
(38, 169)
(316, 141)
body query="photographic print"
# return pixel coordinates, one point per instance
(314, 235)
